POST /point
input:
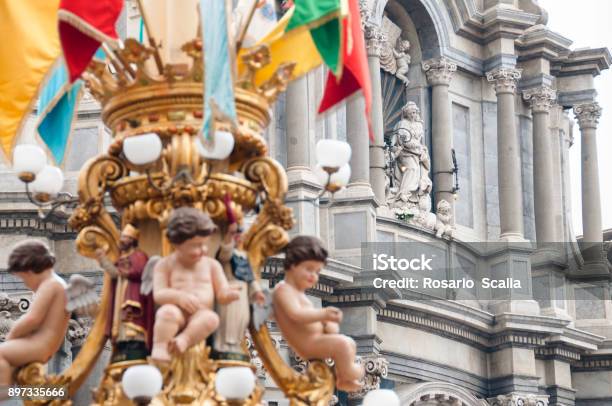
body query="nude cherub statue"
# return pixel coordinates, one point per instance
(402, 60)
(185, 286)
(311, 332)
(40, 332)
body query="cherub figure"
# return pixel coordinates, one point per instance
(186, 284)
(313, 333)
(444, 217)
(402, 60)
(39, 333)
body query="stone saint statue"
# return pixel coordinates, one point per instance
(410, 159)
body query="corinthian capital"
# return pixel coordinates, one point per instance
(540, 98)
(504, 79)
(376, 368)
(588, 114)
(515, 399)
(439, 71)
(375, 39)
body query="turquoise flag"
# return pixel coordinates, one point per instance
(56, 107)
(218, 63)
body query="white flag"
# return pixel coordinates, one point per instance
(262, 22)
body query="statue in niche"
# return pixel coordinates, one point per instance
(396, 60)
(402, 60)
(410, 162)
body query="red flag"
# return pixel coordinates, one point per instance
(83, 26)
(356, 74)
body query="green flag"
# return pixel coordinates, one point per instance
(324, 20)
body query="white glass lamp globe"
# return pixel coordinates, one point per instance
(337, 180)
(235, 383)
(221, 147)
(142, 149)
(49, 181)
(381, 397)
(333, 153)
(141, 382)
(28, 160)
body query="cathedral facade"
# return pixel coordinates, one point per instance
(473, 114)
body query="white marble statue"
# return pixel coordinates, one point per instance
(402, 60)
(444, 217)
(410, 160)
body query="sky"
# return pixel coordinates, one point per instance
(587, 23)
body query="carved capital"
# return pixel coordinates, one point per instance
(376, 368)
(439, 71)
(504, 79)
(588, 115)
(541, 99)
(375, 38)
(515, 399)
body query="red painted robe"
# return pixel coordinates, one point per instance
(131, 314)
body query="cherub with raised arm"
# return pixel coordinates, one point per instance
(311, 332)
(40, 332)
(186, 284)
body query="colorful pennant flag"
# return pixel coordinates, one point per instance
(57, 109)
(30, 45)
(294, 46)
(263, 20)
(83, 27)
(324, 19)
(219, 62)
(356, 72)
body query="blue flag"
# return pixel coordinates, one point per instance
(218, 63)
(56, 107)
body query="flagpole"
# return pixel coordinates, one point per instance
(245, 26)
(156, 55)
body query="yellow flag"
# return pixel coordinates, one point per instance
(294, 46)
(30, 44)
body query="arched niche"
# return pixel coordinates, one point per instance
(437, 393)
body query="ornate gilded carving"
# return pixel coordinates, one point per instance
(504, 79)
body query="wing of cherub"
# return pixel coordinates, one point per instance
(146, 282)
(261, 313)
(82, 297)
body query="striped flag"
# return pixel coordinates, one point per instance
(356, 74)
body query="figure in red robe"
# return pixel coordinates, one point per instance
(130, 318)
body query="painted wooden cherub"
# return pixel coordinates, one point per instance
(311, 332)
(40, 332)
(185, 286)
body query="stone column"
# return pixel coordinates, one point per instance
(508, 155)
(439, 73)
(297, 125)
(357, 137)
(375, 39)
(541, 100)
(588, 117)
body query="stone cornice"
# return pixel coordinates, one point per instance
(439, 71)
(588, 115)
(540, 42)
(582, 62)
(504, 79)
(541, 98)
